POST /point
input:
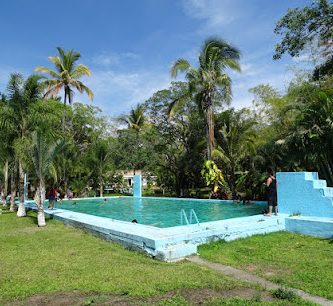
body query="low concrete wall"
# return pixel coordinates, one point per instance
(312, 226)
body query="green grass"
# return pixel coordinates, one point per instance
(61, 258)
(288, 259)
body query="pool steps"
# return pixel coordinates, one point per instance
(305, 194)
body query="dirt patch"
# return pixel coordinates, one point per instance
(193, 296)
(267, 270)
(200, 296)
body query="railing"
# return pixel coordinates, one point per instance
(184, 219)
(193, 215)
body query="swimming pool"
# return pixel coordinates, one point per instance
(161, 212)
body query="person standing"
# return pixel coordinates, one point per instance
(271, 185)
(52, 197)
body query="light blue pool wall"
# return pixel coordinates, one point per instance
(305, 195)
(137, 186)
(311, 226)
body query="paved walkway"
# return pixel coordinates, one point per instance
(244, 276)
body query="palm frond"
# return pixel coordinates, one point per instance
(53, 88)
(177, 104)
(181, 65)
(80, 71)
(58, 63)
(14, 86)
(82, 88)
(48, 71)
(219, 153)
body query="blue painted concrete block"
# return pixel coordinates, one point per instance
(137, 186)
(304, 193)
(312, 226)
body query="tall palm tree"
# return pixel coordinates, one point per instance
(136, 118)
(236, 138)
(5, 154)
(100, 162)
(22, 94)
(43, 152)
(66, 75)
(208, 82)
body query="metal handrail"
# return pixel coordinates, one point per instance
(183, 217)
(193, 214)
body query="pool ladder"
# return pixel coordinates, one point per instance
(184, 219)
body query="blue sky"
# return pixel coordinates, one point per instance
(130, 45)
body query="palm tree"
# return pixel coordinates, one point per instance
(208, 82)
(66, 75)
(100, 160)
(22, 94)
(135, 122)
(43, 152)
(5, 154)
(136, 118)
(236, 140)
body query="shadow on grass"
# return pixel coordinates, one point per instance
(32, 215)
(329, 240)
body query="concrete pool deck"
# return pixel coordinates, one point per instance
(173, 243)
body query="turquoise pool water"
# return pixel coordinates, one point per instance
(160, 212)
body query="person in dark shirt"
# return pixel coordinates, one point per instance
(52, 197)
(271, 185)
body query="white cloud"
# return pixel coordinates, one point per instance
(265, 74)
(302, 58)
(214, 12)
(248, 70)
(108, 58)
(115, 93)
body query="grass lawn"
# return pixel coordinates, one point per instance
(293, 260)
(62, 264)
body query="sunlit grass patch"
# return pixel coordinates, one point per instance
(288, 259)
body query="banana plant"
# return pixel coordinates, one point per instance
(212, 175)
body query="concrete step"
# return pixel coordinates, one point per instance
(311, 176)
(319, 184)
(328, 192)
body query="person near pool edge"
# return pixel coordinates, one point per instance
(52, 197)
(271, 185)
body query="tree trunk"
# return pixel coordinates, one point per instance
(65, 96)
(101, 189)
(210, 131)
(233, 179)
(12, 190)
(5, 187)
(21, 209)
(39, 200)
